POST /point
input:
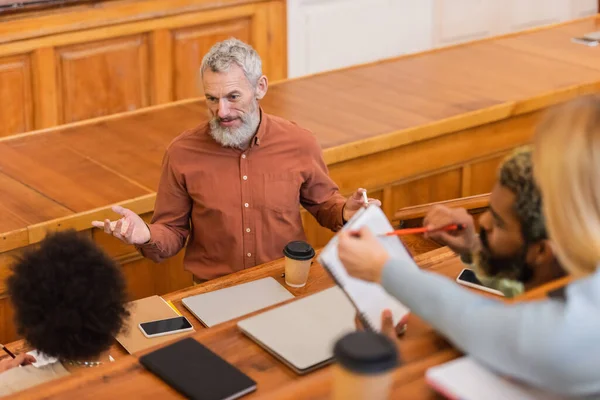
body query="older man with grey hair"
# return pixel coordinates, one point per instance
(233, 186)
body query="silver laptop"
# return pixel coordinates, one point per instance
(302, 334)
(223, 305)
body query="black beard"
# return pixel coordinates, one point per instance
(513, 268)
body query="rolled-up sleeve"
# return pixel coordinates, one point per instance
(319, 194)
(170, 225)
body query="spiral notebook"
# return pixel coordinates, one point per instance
(369, 299)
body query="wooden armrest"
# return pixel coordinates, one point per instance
(480, 201)
(541, 292)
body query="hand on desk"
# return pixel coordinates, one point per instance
(356, 202)
(131, 228)
(462, 241)
(20, 359)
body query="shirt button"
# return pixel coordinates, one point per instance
(243, 156)
(246, 205)
(245, 177)
(249, 254)
(248, 230)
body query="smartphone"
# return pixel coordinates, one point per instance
(167, 326)
(467, 278)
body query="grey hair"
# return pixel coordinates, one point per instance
(233, 51)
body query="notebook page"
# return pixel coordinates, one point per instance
(466, 379)
(369, 298)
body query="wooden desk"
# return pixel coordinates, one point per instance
(412, 130)
(127, 378)
(420, 348)
(409, 379)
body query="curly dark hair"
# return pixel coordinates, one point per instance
(516, 174)
(69, 297)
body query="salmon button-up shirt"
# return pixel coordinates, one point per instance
(240, 207)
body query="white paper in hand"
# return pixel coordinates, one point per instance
(370, 299)
(41, 359)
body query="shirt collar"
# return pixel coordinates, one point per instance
(262, 128)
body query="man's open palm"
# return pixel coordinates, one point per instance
(131, 228)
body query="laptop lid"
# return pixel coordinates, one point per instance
(302, 334)
(223, 305)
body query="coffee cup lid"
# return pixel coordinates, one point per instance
(366, 352)
(299, 250)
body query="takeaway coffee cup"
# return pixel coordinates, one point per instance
(365, 363)
(298, 257)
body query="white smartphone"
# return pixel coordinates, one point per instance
(585, 40)
(167, 326)
(467, 278)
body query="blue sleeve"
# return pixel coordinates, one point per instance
(549, 343)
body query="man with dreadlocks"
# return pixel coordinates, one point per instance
(512, 252)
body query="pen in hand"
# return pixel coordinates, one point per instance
(365, 198)
(412, 231)
(7, 351)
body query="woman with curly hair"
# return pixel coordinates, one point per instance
(69, 301)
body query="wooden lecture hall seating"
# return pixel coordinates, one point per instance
(413, 130)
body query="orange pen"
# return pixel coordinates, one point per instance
(412, 231)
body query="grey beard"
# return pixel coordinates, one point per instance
(235, 137)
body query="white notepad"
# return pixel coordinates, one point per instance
(466, 379)
(369, 299)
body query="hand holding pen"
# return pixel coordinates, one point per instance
(357, 201)
(14, 360)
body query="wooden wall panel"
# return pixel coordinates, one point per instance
(16, 113)
(141, 56)
(170, 276)
(8, 331)
(437, 187)
(6, 260)
(113, 246)
(424, 157)
(103, 77)
(45, 85)
(275, 54)
(192, 43)
(140, 278)
(483, 175)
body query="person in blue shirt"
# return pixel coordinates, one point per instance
(551, 344)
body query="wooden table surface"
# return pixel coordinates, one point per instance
(70, 175)
(127, 378)
(420, 348)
